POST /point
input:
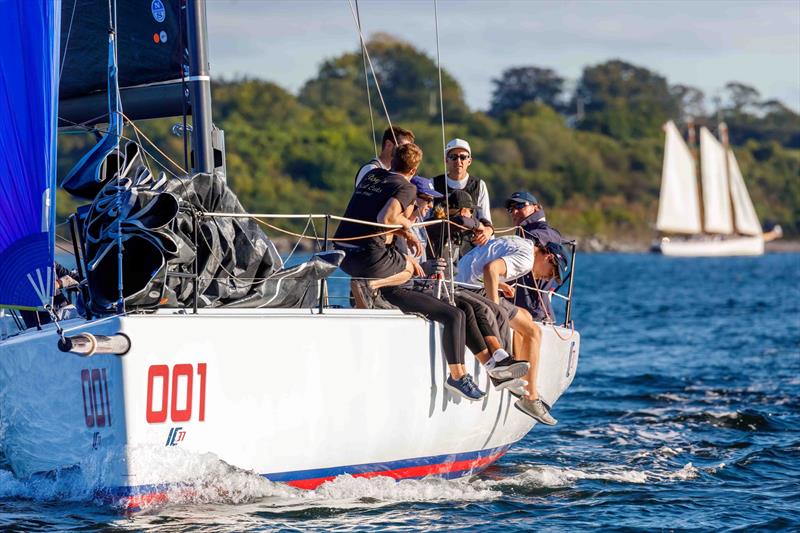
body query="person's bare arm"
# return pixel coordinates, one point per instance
(394, 214)
(491, 278)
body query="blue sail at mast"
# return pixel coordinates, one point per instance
(29, 72)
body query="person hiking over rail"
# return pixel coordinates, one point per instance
(506, 259)
(377, 264)
(528, 215)
(371, 257)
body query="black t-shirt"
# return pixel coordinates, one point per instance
(369, 198)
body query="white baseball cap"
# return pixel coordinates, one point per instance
(457, 143)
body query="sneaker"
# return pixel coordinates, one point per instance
(509, 368)
(464, 387)
(536, 409)
(361, 294)
(379, 302)
(515, 386)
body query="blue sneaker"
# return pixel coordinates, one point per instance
(464, 387)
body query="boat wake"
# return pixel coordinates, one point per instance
(210, 480)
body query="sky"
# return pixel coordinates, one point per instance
(704, 44)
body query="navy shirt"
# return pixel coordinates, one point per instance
(373, 191)
(538, 305)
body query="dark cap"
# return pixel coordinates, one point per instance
(561, 258)
(459, 199)
(521, 197)
(425, 186)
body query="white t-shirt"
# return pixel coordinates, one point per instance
(482, 209)
(372, 165)
(516, 253)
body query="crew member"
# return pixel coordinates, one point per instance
(458, 158)
(384, 160)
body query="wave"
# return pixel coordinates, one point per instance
(552, 477)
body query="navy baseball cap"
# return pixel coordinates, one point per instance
(460, 199)
(521, 197)
(425, 186)
(560, 258)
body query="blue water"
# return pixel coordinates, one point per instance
(685, 414)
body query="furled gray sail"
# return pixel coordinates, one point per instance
(153, 220)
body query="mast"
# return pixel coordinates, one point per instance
(723, 135)
(692, 135)
(199, 85)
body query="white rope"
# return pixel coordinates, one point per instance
(551, 293)
(317, 215)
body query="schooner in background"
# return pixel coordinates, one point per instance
(725, 222)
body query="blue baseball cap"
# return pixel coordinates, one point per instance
(560, 258)
(521, 197)
(425, 186)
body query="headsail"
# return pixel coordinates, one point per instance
(716, 193)
(29, 106)
(746, 219)
(678, 207)
(149, 43)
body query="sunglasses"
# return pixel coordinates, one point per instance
(455, 157)
(516, 205)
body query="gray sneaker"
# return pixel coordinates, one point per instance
(509, 368)
(535, 409)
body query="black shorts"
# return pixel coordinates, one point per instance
(373, 262)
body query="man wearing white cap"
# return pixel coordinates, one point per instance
(458, 155)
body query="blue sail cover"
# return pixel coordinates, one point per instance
(29, 71)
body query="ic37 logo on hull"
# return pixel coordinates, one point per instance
(176, 435)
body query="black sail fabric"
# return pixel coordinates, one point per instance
(149, 57)
(152, 220)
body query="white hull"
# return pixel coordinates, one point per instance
(290, 394)
(712, 247)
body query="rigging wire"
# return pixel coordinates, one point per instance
(366, 81)
(66, 43)
(372, 69)
(444, 155)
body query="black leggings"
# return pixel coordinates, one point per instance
(453, 319)
(478, 324)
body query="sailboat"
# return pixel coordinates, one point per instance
(728, 224)
(169, 362)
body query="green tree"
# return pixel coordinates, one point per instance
(624, 101)
(408, 78)
(520, 85)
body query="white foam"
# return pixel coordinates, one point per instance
(347, 487)
(684, 474)
(554, 477)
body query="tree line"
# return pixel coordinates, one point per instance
(592, 154)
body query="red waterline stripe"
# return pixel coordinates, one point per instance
(139, 501)
(404, 473)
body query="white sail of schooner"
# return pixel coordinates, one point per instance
(730, 225)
